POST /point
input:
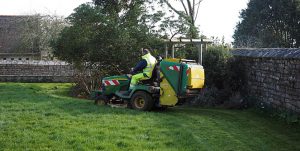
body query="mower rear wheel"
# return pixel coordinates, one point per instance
(142, 101)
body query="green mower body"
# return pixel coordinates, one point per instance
(173, 81)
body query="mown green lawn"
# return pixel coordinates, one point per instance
(43, 117)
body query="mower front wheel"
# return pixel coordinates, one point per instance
(141, 101)
(101, 99)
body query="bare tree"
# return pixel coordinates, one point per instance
(38, 31)
(189, 11)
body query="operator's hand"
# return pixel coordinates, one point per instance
(131, 71)
(129, 75)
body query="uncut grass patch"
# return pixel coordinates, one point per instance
(37, 116)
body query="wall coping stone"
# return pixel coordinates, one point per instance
(33, 62)
(292, 53)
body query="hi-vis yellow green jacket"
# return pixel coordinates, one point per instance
(151, 61)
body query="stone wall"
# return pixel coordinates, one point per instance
(272, 76)
(35, 71)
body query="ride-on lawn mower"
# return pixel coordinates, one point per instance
(172, 82)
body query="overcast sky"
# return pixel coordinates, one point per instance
(216, 17)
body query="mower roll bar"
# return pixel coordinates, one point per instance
(198, 42)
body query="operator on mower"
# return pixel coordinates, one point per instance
(146, 65)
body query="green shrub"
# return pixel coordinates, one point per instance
(215, 61)
(224, 77)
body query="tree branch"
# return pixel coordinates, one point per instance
(191, 12)
(175, 10)
(193, 6)
(184, 7)
(197, 9)
(174, 35)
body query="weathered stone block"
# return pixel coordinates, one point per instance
(35, 72)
